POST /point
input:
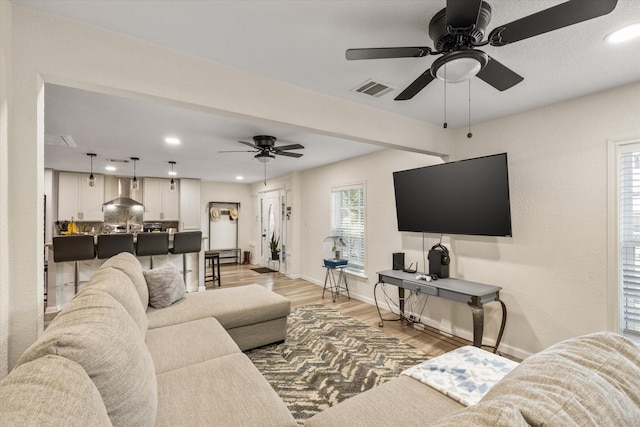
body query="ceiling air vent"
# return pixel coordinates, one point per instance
(373, 88)
(60, 141)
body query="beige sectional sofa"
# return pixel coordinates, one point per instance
(108, 359)
(593, 380)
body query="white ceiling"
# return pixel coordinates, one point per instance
(303, 43)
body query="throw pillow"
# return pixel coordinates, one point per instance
(166, 285)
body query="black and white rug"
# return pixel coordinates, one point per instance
(329, 357)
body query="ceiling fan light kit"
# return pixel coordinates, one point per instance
(264, 157)
(459, 66)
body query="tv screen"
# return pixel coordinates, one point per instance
(464, 197)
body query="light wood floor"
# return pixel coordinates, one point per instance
(302, 292)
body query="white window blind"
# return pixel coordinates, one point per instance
(629, 211)
(348, 221)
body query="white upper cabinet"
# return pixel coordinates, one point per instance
(160, 202)
(190, 204)
(77, 200)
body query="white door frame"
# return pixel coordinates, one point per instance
(276, 200)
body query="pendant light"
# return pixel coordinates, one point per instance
(92, 179)
(172, 184)
(134, 181)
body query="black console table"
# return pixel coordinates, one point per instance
(475, 295)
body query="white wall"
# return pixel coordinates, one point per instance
(382, 236)
(235, 193)
(5, 88)
(554, 269)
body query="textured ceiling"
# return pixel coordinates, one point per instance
(303, 43)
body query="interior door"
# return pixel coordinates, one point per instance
(270, 224)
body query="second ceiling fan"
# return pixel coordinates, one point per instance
(458, 30)
(265, 146)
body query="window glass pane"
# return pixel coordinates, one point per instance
(348, 221)
(629, 238)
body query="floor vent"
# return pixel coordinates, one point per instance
(374, 88)
(60, 141)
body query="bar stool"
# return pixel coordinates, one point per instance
(150, 244)
(184, 243)
(74, 248)
(212, 258)
(112, 244)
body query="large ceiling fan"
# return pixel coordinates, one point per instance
(458, 30)
(265, 146)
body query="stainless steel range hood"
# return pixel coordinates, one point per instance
(124, 195)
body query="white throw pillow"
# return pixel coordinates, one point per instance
(166, 285)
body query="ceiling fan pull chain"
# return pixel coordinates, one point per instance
(469, 135)
(445, 97)
(265, 174)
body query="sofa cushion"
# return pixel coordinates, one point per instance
(233, 307)
(51, 391)
(204, 338)
(165, 284)
(589, 380)
(95, 331)
(400, 401)
(226, 391)
(129, 265)
(117, 284)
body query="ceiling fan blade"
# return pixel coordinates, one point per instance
(415, 87)
(387, 52)
(290, 147)
(286, 153)
(462, 13)
(249, 144)
(553, 18)
(499, 76)
(239, 151)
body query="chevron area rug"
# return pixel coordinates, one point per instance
(329, 357)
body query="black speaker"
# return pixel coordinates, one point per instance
(439, 261)
(398, 260)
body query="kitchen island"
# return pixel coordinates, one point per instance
(59, 274)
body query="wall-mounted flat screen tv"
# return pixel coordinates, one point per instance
(463, 197)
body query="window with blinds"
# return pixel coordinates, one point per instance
(629, 238)
(348, 221)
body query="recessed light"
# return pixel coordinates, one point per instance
(239, 177)
(624, 34)
(110, 168)
(172, 140)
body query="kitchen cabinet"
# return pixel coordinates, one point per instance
(160, 202)
(190, 204)
(76, 199)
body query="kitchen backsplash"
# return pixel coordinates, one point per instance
(123, 215)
